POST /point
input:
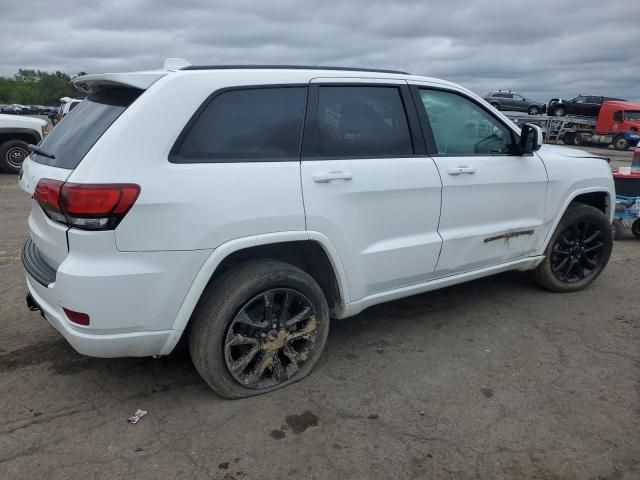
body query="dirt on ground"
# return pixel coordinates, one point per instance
(494, 379)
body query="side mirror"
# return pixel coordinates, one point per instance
(530, 139)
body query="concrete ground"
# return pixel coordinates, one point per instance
(492, 379)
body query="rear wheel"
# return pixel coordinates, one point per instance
(12, 154)
(559, 112)
(259, 327)
(534, 110)
(578, 250)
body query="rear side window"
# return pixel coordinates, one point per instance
(74, 136)
(256, 124)
(360, 121)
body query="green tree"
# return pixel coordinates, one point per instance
(36, 87)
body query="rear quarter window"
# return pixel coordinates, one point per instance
(74, 136)
(246, 124)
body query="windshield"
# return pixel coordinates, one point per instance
(74, 136)
(632, 115)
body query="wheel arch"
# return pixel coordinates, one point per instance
(25, 134)
(597, 197)
(310, 251)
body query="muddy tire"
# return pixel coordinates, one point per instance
(577, 252)
(260, 326)
(12, 154)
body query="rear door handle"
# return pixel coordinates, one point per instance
(330, 176)
(461, 169)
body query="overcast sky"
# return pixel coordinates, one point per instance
(541, 48)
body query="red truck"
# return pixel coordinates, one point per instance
(618, 124)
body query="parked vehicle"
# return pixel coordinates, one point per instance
(11, 110)
(512, 101)
(587, 105)
(67, 105)
(627, 207)
(273, 199)
(15, 134)
(617, 124)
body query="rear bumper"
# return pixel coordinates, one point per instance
(132, 344)
(131, 298)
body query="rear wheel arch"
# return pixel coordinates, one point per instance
(292, 247)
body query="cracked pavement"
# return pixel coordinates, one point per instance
(491, 379)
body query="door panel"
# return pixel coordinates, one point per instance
(380, 212)
(492, 200)
(493, 215)
(383, 222)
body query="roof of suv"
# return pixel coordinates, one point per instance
(88, 84)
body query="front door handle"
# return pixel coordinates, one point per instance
(330, 176)
(461, 169)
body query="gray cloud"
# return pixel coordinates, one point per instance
(541, 48)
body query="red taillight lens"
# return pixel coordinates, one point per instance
(47, 194)
(77, 317)
(86, 206)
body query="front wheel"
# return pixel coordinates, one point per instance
(261, 326)
(559, 112)
(12, 154)
(578, 250)
(621, 143)
(534, 110)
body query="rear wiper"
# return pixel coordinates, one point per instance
(36, 149)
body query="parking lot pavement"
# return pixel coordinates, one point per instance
(491, 379)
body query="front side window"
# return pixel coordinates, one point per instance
(579, 99)
(632, 115)
(461, 127)
(360, 121)
(254, 124)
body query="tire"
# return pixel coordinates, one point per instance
(218, 321)
(586, 221)
(577, 140)
(569, 138)
(534, 110)
(558, 112)
(496, 105)
(617, 229)
(12, 154)
(635, 229)
(621, 143)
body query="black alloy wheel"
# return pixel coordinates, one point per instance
(270, 338)
(577, 252)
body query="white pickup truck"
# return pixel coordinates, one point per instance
(16, 132)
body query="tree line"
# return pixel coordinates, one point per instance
(36, 87)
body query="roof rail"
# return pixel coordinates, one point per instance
(289, 67)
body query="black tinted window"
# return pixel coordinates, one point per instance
(74, 136)
(360, 121)
(250, 124)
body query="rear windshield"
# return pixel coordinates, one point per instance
(74, 136)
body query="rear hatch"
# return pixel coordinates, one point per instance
(60, 153)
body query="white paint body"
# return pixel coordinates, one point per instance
(399, 227)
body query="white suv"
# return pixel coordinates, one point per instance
(249, 205)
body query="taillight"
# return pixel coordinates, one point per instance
(86, 206)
